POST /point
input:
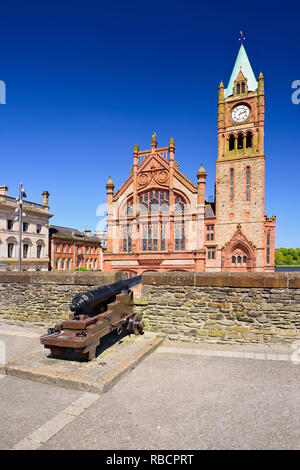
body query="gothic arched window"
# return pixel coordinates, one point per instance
(231, 184)
(248, 180)
(243, 87)
(231, 142)
(268, 247)
(249, 140)
(233, 260)
(154, 230)
(238, 89)
(240, 141)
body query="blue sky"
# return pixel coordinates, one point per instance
(88, 80)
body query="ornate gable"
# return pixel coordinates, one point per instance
(239, 249)
(154, 171)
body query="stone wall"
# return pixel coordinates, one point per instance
(222, 307)
(45, 298)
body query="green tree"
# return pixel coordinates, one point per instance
(289, 256)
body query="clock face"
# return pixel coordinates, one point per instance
(240, 113)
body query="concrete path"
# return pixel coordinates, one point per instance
(180, 397)
(190, 401)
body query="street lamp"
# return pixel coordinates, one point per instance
(19, 217)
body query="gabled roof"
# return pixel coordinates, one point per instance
(209, 211)
(242, 63)
(68, 232)
(144, 166)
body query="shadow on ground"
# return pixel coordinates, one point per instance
(105, 343)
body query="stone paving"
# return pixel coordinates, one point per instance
(116, 357)
(202, 396)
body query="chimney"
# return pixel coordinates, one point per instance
(46, 198)
(3, 190)
(87, 233)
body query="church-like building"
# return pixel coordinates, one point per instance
(159, 220)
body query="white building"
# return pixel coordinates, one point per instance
(35, 234)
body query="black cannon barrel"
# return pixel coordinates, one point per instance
(87, 302)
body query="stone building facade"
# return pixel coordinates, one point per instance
(159, 220)
(35, 233)
(70, 249)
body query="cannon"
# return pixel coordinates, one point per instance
(94, 314)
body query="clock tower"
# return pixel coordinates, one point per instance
(241, 225)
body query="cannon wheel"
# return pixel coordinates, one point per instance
(135, 324)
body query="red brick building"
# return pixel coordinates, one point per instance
(70, 249)
(160, 220)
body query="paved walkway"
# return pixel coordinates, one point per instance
(187, 396)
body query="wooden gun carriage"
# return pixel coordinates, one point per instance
(95, 313)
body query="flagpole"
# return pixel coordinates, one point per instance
(20, 228)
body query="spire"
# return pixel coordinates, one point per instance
(201, 171)
(242, 63)
(110, 183)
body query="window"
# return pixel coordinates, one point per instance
(248, 173)
(57, 263)
(78, 249)
(127, 236)
(249, 140)
(231, 142)
(244, 259)
(57, 248)
(10, 224)
(163, 237)
(25, 250)
(209, 232)
(64, 248)
(233, 259)
(238, 89)
(268, 247)
(243, 87)
(231, 183)
(240, 141)
(25, 226)
(39, 251)
(211, 252)
(150, 237)
(239, 259)
(156, 201)
(38, 229)
(10, 250)
(179, 237)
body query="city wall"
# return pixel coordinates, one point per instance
(44, 297)
(222, 307)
